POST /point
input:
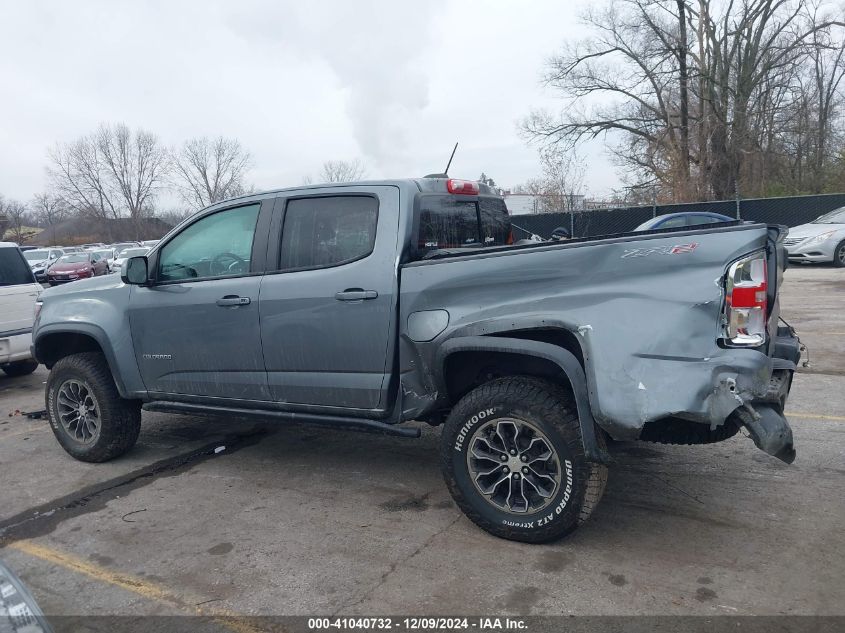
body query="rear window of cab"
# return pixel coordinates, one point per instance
(454, 222)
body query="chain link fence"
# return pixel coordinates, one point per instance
(790, 211)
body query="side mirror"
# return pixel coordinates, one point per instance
(134, 271)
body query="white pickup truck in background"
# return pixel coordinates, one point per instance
(18, 294)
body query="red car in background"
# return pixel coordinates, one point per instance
(75, 266)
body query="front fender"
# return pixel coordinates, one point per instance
(99, 313)
(126, 377)
(564, 359)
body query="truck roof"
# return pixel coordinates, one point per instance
(428, 184)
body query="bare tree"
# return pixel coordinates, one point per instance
(79, 175)
(111, 173)
(696, 94)
(137, 165)
(206, 170)
(561, 185)
(16, 214)
(563, 177)
(50, 210)
(342, 171)
(4, 219)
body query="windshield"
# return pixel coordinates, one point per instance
(74, 258)
(108, 253)
(36, 256)
(133, 252)
(837, 216)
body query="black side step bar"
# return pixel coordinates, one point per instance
(361, 424)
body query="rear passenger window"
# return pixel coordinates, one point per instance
(328, 231)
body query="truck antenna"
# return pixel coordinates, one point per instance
(446, 171)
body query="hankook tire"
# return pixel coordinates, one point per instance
(513, 460)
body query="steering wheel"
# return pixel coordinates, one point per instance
(228, 263)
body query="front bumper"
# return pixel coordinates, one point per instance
(15, 348)
(64, 279)
(816, 252)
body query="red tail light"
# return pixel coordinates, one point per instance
(462, 187)
(746, 302)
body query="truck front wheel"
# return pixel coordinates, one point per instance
(88, 417)
(513, 460)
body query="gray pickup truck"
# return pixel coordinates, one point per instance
(370, 304)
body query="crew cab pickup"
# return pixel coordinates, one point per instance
(371, 304)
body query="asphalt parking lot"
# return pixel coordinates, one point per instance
(300, 520)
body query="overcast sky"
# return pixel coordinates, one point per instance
(392, 83)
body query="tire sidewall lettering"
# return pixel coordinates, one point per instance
(51, 395)
(474, 420)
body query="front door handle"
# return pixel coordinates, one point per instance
(233, 300)
(355, 294)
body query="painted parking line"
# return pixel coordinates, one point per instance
(140, 586)
(815, 416)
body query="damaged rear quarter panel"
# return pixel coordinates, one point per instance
(647, 324)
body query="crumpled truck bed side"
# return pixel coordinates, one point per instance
(646, 311)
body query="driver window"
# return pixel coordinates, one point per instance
(218, 245)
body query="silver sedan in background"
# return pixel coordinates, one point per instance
(822, 240)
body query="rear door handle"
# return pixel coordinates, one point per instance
(233, 300)
(355, 294)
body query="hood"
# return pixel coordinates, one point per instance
(57, 267)
(103, 282)
(811, 230)
(40, 262)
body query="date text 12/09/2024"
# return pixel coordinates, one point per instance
(417, 624)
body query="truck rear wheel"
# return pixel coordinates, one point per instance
(88, 417)
(513, 460)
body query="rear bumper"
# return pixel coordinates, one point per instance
(752, 393)
(764, 418)
(769, 430)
